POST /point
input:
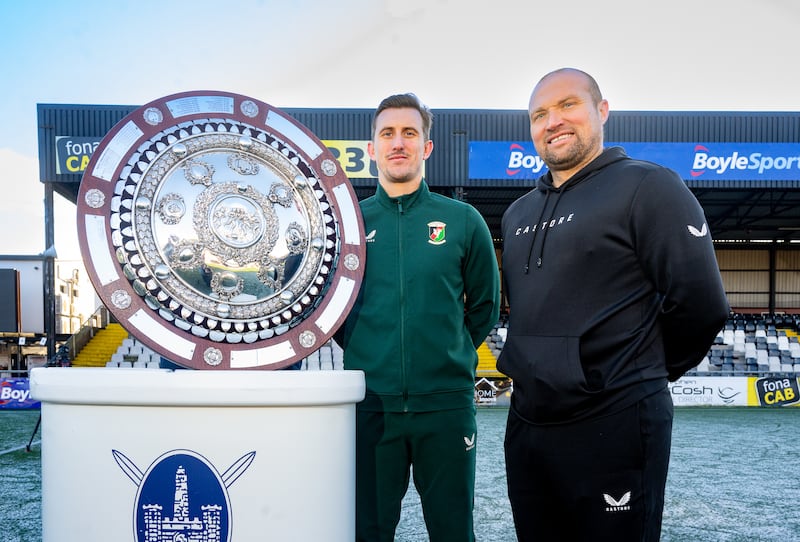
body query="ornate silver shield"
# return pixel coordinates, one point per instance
(221, 232)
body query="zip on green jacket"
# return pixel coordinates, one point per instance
(429, 297)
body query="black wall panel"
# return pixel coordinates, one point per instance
(9, 301)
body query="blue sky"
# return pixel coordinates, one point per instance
(735, 55)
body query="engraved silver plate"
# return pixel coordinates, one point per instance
(224, 232)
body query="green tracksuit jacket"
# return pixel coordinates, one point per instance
(429, 297)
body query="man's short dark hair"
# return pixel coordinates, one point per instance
(397, 101)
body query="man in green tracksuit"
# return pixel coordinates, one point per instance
(429, 297)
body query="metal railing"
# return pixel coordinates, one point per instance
(75, 343)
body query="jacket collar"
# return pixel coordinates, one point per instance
(406, 200)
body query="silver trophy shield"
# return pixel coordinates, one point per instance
(221, 232)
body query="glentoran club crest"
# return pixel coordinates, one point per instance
(436, 233)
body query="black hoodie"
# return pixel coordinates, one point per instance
(613, 288)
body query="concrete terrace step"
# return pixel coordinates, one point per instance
(98, 351)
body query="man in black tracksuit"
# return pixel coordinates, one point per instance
(429, 297)
(613, 290)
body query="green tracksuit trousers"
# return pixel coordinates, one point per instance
(440, 446)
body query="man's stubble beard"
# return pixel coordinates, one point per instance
(574, 157)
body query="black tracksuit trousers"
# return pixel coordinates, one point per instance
(592, 480)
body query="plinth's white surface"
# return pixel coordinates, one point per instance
(299, 486)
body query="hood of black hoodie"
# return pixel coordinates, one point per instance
(608, 156)
(545, 185)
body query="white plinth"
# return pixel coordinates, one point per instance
(232, 456)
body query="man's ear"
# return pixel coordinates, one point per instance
(603, 108)
(428, 149)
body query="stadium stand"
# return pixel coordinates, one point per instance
(328, 358)
(133, 354)
(487, 366)
(748, 345)
(101, 348)
(754, 345)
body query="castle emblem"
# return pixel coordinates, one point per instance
(182, 497)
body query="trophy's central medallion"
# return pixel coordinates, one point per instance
(239, 222)
(221, 232)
